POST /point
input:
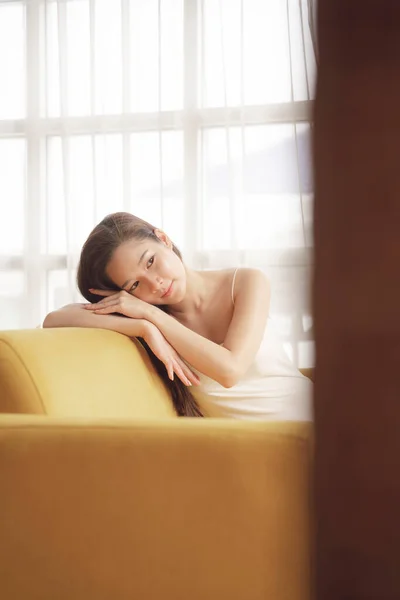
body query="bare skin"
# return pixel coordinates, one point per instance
(201, 314)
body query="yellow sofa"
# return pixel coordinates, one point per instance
(106, 494)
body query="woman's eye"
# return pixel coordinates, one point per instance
(136, 284)
(133, 288)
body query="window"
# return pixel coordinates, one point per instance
(193, 114)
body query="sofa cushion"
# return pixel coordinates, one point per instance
(79, 372)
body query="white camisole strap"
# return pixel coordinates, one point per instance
(233, 285)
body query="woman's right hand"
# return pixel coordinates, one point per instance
(168, 355)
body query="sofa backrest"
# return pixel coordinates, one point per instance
(79, 372)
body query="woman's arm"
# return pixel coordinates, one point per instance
(74, 315)
(224, 364)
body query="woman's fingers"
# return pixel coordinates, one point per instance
(193, 378)
(178, 370)
(188, 377)
(170, 370)
(103, 310)
(102, 304)
(187, 371)
(194, 375)
(184, 373)
(103, 292)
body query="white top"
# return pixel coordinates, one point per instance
(272, 389)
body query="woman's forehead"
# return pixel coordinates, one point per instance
(131, 249)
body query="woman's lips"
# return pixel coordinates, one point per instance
(168, 292)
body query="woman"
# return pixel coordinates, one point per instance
(208, 328)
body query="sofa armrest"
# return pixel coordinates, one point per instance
(308, 372)
(192, 508)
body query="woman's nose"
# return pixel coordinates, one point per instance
(156, 283)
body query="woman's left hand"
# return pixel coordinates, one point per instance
(118, 302)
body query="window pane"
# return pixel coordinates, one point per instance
(172, 54)
(12, 195)
(77, 56)
(108, 57)
(157, 195)
(144, 57)
(109, 186)
(12, 300)
(268, 61)
(89, 170)
(59, 287)
(52, 62)
(68, 47)
(255, 195)
(56, 213)
(12, 61)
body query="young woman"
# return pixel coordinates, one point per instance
(207, 329)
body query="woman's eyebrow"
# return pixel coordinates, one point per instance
(141, 258)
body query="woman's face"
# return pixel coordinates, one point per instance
(149, 270)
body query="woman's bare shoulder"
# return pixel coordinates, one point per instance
(246, 278)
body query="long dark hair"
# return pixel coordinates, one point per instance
(106, 237)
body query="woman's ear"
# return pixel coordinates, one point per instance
(163, 238)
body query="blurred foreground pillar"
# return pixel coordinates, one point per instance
(357, 300)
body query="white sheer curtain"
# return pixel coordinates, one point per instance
(312, 23)
(192, 114)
